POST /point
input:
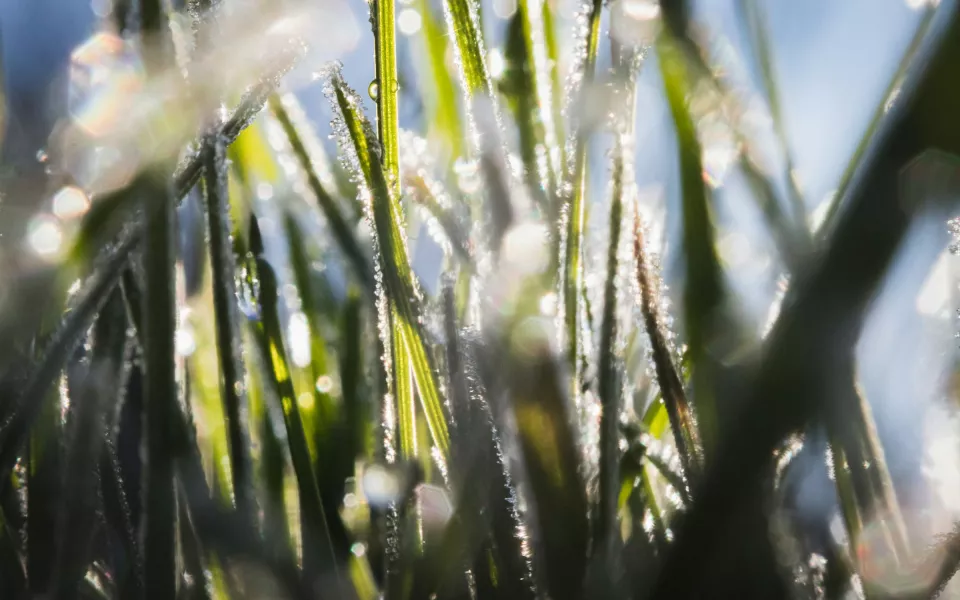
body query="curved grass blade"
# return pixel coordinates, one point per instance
(341, 230)
(703, 292)
(358, 144)
(229, 343)
(79, 498)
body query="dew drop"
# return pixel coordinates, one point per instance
(374, 90)
(42, 156)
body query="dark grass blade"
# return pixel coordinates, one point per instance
(160, 395)
(227, 316)
(703, 292)
(334, 461)
(341, 230)
(119, 517)
(79, 500)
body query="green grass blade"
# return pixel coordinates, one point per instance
(388, 86)
(318, 552)
(358, 145)
(703, 292)
(463, 25)
(229, 344)
(339, 227)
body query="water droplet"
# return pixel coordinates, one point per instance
(394, 85)
(45, 235)
(380, 486)
(374, 90)
(42, 156)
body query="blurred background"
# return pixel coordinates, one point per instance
(834, 64)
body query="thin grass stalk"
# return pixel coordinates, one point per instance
(227, 316)
(610, 389)
(574, 207)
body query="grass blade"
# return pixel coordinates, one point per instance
(160, 396)
(463, 25)
(608, 375)
(318, 552)
(79, 500)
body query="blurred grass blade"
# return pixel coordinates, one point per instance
(764, 53)
(79, 501)
(550, 455)
(442, 116)
(359, 146)
(703, 292)
(339, 227)
(519, 85)
(227, 315)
